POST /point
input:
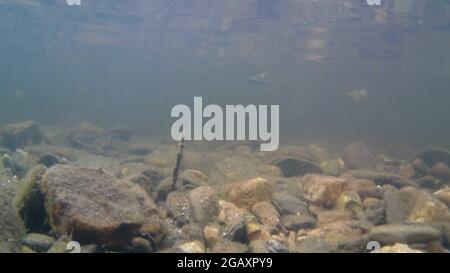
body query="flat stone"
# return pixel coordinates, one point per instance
(297, 167)
(288, 204)
(408, 234)
(295, 222)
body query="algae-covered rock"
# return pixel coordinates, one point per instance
(332, 167)
(95, 207)
(349, 201)
(29, 201)
(11, 227)
(20, 135)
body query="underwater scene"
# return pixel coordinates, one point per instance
(224, 126)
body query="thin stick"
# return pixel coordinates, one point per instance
(176, 170)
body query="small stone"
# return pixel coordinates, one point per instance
(141, 245)
(333, 167)
(349, 201)
(256, 232)
(247, 193)
(322, 190)
(191, 247)
(266, 213)
(288, 204)
(295, 222)
(420, 167)
(212, 236)
(38, 242)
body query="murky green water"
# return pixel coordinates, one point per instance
(341, 71)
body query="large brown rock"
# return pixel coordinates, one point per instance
(94, 206)
(321, 189)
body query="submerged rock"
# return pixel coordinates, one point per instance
(38, 242)
(19, 135)
(444, 196)
(297, 167)
(191, 247)
(332, 167)
(288, 204)
(397, 248)
(295, 222)
(434, 155)
(267, 246)
(382, 178)
(267, 214)
(247, 193)
(408, 234)
(229, 247)
(441, 170)
(205, 204)
(48, 160)
(421, 207)
(322, 190)
(95, 207)
(358, 156)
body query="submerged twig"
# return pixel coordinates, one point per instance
(176, 170)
